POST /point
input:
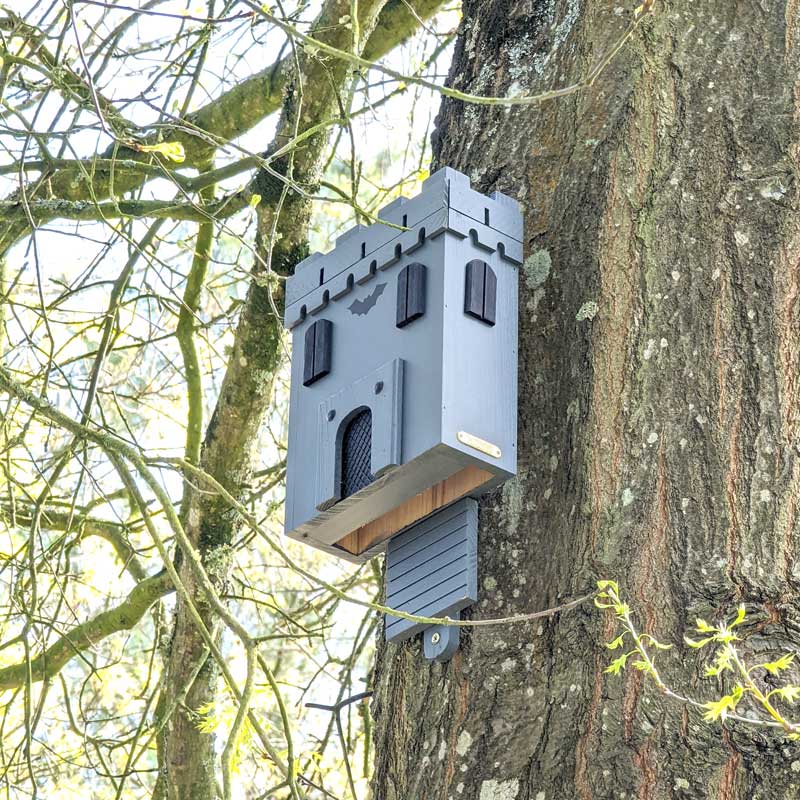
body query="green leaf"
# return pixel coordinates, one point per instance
(616, 643)
(774, 667)
(208, 720)
(719, 709)
(716, 709)
(621, 609)
(704, 627)
(255, 199)
(721, 662)
(660, 645)
(172, 150)
(787, 693)
(725, 636)
(741, 615)
(697, 644)
(642, 666)
(603, 585)
(654, 642)
(618, 664)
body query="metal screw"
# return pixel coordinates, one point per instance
(331, 415)
(435, 638)
(378, 387)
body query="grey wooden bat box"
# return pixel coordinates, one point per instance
(404, 367)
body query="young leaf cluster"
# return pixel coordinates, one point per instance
(727, 658)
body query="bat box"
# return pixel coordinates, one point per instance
(404, 367)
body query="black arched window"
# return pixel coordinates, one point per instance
(357, 453)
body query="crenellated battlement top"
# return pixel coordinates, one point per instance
(446, 203)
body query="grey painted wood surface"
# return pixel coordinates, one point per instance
(431, 568)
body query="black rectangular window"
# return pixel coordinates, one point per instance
(317, 354)
(410, 294)
(480, 292)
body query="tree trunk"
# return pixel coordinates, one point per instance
(658, 429)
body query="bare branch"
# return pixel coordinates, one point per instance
(85, 636)
(222, 120)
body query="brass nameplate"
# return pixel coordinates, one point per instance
(477, 443)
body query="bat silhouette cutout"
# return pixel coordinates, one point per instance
(362, 307)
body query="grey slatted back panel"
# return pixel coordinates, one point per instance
(432, 568)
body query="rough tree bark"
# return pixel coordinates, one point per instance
(659, 364)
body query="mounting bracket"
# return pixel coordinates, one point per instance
(440, 642)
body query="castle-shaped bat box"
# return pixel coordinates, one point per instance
(404, 367)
